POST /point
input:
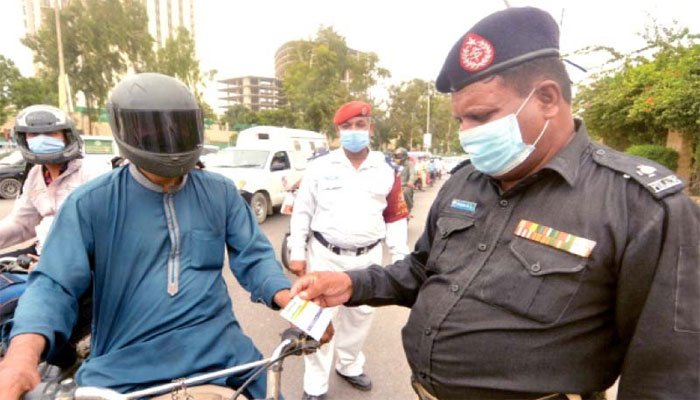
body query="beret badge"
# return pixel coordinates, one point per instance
(476, 53)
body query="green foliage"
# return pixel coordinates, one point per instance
(239, 117)
(277, 117)
(662, 155)
(101, 39)
(178, 58)
(649, 93)
(30, 91)
(408, 108)
(9, 74)
(324, 74)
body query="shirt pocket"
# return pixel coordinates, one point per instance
(206, 250)
(531, 280)
(450, 243)
(329, 192)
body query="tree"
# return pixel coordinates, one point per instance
(178, 58)
(37, 90)
(9, 74)
(101, 40)
(277, 117)
(239, 117)
(408, 109)
(324, 74)
(653, 90)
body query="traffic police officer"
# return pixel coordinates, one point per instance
(550, 264)
(349, 201)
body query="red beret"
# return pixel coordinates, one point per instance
(352, 109)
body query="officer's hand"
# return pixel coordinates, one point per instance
(17, 377)
(327, 289)
(298, 268)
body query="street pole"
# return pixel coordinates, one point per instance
(64, 99)
(427, 117)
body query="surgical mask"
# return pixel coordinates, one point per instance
(497, 147)
(44, 144)
(354, 141)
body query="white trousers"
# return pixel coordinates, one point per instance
(351, 324)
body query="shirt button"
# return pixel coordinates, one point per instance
(503, 203)
(536, 267)
(454, 288)
(428, 331)
(481, 247)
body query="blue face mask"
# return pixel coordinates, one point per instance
(496, 148)
(44, 144)
(354, 141)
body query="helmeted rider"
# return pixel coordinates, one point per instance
(151, 237)
(47, 138)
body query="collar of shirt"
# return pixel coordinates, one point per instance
(47, 175)
(141, 178)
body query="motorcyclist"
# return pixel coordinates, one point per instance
(47, 138)
(407, 175)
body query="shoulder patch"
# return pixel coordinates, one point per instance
(318, 154)
(460, 166)
(657, 179)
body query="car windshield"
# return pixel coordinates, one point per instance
(11, 158)
(239, 158)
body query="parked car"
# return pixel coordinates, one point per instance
(266, 161)
(99, 150)
(13, 171)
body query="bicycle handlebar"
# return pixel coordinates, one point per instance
(294, 342)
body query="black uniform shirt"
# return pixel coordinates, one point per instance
(498, 315)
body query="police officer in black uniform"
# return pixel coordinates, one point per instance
(550, 264)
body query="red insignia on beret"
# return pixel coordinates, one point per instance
(476, 53)
(351, 109)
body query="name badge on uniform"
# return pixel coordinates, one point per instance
(464, 205)
(554, 238)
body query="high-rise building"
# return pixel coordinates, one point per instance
(35, 11)
(254, 92)
(165, 16)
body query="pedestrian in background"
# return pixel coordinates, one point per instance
(349, 201)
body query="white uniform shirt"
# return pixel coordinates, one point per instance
(346, 205)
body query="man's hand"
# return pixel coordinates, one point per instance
(411, 185)
(297, 267)
(327, 289)
(35, 261)
(328, 334)
(282, 297)
(18, 370)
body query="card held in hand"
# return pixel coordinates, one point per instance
(307, 316)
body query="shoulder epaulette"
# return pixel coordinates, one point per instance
(320, 154)
(657, 179)
(461, 165)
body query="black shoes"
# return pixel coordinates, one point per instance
(307, 396)
(359, 382)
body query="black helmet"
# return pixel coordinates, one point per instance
(42, 118)
(156, 123)
(401, 153)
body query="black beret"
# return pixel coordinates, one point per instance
(500, 41)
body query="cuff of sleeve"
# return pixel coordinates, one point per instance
(270, 288)
(361, 287)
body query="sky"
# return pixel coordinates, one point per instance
(411, 38)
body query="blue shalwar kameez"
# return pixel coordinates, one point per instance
(161, 308)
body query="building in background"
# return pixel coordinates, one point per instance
(35, 11)
(255, 92)
(165, 16)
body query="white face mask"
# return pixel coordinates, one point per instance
(496, 147)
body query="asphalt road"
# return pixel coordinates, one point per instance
(386, 363)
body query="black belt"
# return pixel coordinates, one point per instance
(335, 249)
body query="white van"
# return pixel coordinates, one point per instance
(266, 162)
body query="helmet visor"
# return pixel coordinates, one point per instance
(157, 131)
